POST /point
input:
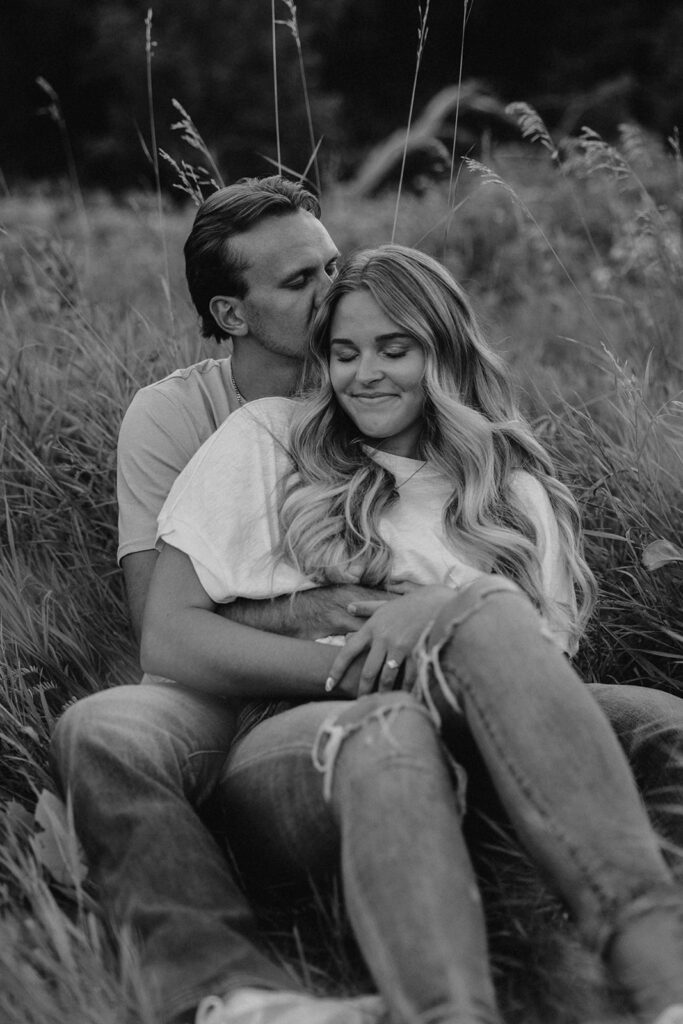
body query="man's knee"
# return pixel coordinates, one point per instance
(649, 726)
(160, 727)
(634, 709)
(90, 723)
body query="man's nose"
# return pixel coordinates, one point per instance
(322, 287)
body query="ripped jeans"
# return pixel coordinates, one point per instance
(369, 785)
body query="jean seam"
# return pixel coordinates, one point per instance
(269, 755)
(585, 867)
(468, 688)
(190, 769)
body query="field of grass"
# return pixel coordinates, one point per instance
(575, 268)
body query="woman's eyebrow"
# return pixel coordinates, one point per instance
(379, 338)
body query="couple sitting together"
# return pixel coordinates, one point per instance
(402, 479)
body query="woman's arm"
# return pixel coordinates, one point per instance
(184, 639)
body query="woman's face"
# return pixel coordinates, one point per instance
(376, 372)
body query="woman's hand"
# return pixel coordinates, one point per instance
(389, 636)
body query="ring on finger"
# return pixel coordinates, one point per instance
(392, 664)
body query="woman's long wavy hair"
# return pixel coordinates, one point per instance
(472, 432)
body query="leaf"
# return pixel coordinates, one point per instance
(16, 815)
(57, 847)
(661, 552)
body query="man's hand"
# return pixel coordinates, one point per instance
(307, 615)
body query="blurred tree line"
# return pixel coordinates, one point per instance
(214, 56)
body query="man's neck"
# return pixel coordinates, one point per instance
(263, 375)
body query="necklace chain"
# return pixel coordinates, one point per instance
(241, 400)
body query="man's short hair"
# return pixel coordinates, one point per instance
(212, 266)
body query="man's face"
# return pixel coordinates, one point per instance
(291, 262)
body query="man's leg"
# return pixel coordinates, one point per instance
(563, 780)
(649, 725)
(138, 762)
(381, 797)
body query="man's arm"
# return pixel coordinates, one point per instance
(183, 639)
(306, 615)
(137, 572)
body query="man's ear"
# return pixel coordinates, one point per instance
(228, 312)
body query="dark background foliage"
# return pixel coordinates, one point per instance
(596, 61)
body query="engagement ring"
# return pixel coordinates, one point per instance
(391, 663)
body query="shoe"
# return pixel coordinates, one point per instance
(672, 1015)
(261, 1006)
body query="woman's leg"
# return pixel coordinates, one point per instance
(563, 779)
(382, 794)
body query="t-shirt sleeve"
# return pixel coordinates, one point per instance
(155, 442)
(557, 588)
(223, 508)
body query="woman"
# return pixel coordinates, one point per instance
(408, 468)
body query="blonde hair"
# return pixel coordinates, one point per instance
(472, 432)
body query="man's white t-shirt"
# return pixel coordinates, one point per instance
(165, 424)
(222, 511)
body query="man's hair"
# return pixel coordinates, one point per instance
(212, 265)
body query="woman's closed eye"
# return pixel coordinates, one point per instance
(343, 355)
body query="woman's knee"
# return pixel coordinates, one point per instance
(488, 607)
(371, 734)
(488, 634)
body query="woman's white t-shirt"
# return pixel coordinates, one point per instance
(222, 511)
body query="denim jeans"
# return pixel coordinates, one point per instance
(370, 784)
(367, 783)
(139, 763)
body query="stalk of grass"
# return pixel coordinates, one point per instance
(192, 136)
(421, 40)
(467, 7)
(58, 961)
(149, 53)
(490, 177)
(276, 99)
(56, 114)
(293, 25)
(533, 128)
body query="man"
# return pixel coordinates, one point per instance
(138, 761)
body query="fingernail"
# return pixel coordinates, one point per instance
(329, 684)
(352, 609)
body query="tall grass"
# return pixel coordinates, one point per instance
(572, 255)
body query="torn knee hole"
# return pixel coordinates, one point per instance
(375, 710)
